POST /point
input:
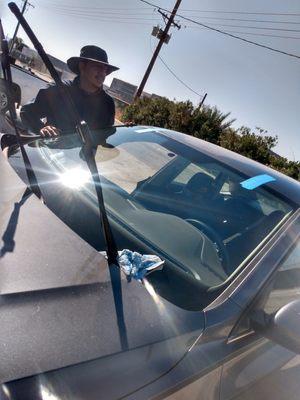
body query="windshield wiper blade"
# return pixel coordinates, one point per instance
(83, 131)
(5, 64)
(112, 251)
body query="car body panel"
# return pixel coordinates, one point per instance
(122, 339)
(59, 310)
(24, 228)
(263, 368)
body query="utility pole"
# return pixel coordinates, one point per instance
(202, 101)
(18, 24)
(163, 38)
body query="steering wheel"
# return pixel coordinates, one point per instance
(215, 238)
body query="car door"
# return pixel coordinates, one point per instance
(264, 369)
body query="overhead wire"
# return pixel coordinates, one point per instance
(175, 75)
(180, 80)
(50, 2)
(127, 19)
(241, 12)
(226, 33)
(138, 21)
(248, 27)
(59, 4)
(247, 20)
(94, 11)
(92, 14)
(251, 33)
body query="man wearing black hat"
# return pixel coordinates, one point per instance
(93, 104)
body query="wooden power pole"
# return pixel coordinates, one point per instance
(18, 25)
(163, 38)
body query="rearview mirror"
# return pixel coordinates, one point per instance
(282, 327)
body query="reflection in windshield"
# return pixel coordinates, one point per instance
(75, 178)
(130, 163)
(186, 207)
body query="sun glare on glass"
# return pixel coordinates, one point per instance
(74, 178)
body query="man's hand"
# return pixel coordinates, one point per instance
(49, 131)
(129, 123)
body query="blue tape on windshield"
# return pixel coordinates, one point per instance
(256, 181)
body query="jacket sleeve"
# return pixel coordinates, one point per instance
(32, 112)
(112, 112)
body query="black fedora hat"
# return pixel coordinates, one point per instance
(91, 53)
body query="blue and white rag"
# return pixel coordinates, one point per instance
(136, 265)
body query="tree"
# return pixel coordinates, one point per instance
(289, 168)
(148, 111)
(258, 146)
(209, 123)
(249, 144)
(206, 123)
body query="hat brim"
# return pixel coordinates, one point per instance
(73, 64)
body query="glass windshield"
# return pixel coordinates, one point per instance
(200, 215)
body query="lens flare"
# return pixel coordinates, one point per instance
(74, 178)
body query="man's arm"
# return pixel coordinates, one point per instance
(32, 112)
(112, 111)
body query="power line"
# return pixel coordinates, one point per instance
(58, 4)
(106, 19)
(252, 33)
(93, 14)
(176, 76)
(246, 26)
(94, 11)
(125, 17)
(247, 20)
(118, 21)
(180, 80)
(241, 12)
(229, 34)
(129, 21)
(51, 3)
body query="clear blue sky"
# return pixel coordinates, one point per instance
(259, 87)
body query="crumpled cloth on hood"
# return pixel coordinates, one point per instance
(136, 265)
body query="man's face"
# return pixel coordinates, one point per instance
(93, 73)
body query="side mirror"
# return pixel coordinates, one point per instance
(282, 327)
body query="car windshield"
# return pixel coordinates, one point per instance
(200, 215)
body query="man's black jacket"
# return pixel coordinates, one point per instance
(97, 109)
